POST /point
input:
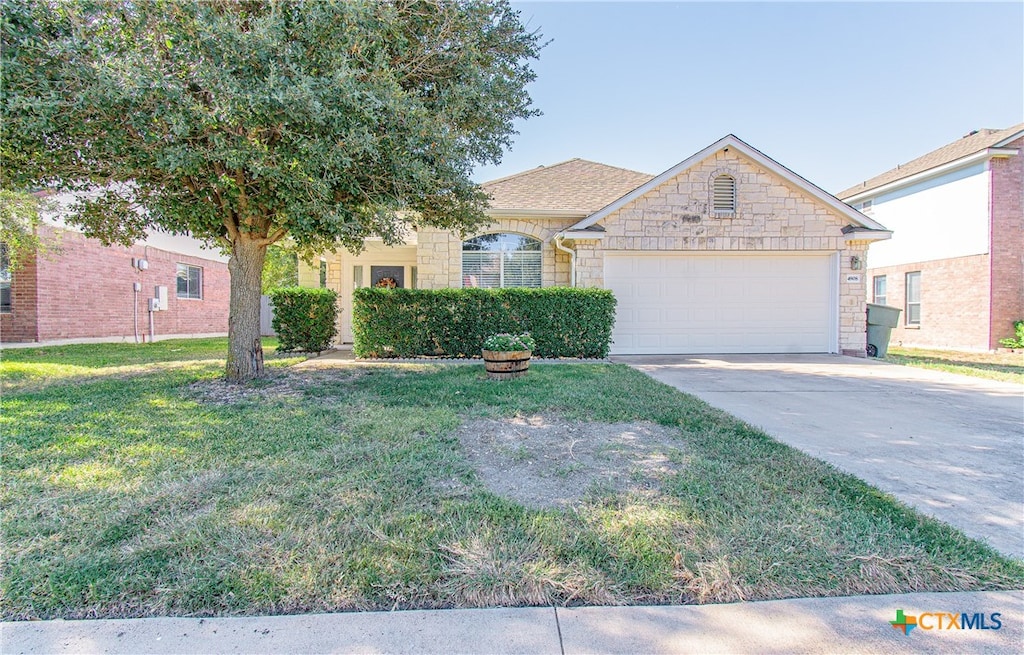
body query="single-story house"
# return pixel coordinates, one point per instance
(956, 264)
(726, 252)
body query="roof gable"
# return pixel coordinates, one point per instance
(970, 144)
(576, 185)
(731, 141)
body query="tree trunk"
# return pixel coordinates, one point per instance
(245, 351)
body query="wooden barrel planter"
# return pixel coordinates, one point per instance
(506, 364)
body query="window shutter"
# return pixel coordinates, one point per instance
(723, 194)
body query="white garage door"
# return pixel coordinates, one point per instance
(749, 303)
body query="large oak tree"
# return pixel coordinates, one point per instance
(241, 123)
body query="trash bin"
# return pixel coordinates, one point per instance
(881, 320)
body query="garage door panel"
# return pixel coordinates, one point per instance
(720, 304)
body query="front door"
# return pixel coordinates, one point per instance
(389, 277)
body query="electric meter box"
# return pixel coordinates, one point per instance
(160, 294)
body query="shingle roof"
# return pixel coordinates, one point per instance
(976, 141)
(574, 185)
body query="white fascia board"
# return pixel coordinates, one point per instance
(732, 141)
(536, 213)
(583, 235)
(873, 235)
(948, 167)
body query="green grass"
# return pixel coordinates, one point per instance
(30, 367)
(1005, 366)
(164, 491)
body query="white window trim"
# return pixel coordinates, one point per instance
(539, 254)
(906, 299)
(874, 289)
(189, 295)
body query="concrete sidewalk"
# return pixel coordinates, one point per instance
(822, 625)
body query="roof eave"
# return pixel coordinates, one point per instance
(536, 213)
(732, 141)
(942, 169)
(1010, 139)
(868, 235)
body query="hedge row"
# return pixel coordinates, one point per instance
(304, 318)
(565, 322)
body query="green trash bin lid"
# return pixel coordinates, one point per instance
(883, 315)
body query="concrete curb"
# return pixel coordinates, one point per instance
(815, 625)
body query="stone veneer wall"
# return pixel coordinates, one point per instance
(439, 252)
(770, 216)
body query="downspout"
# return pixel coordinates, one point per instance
(557, 242)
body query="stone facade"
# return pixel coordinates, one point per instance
(439, 252)
(770, 216)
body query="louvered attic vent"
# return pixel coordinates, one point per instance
(723, 192)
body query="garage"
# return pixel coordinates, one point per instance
(723, 303)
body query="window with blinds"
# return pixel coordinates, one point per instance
(723, 194)
(493, 261)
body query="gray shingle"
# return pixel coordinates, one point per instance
(974, 142)
(574, 185)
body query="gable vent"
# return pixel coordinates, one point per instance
(723, 194)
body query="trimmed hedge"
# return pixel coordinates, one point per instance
(305, 318)
(565, 322)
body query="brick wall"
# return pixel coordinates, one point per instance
(84, 291)
(1007, 244)
(20, 324)
(954, 303)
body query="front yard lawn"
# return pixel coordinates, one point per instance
(139, 490)
(1005, 366)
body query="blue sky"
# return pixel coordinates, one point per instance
(838, 92)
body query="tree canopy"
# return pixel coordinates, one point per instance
(241, 123)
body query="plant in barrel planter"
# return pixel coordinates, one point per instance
(507, 356)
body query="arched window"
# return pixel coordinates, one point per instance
(501, 260)
(723, 194)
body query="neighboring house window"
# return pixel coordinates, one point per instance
(190, 281)
(879, 295)
(913, 298)
(501, 260)
(723, 194)
(5, 279)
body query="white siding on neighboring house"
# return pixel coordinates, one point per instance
(936, 219)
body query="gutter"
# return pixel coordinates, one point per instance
(942, 169)
(557, 243)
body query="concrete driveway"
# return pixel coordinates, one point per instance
(952, 446)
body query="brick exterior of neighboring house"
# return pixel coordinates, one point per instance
(78, 289)
(957, 219)
(599, 212)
